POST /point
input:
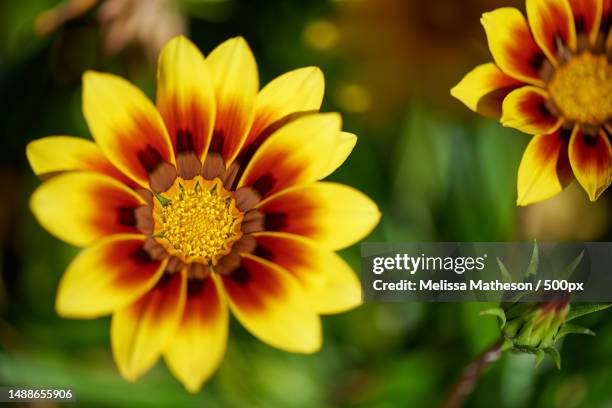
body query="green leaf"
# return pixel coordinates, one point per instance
(554, 354)
(499, 312)
(532, 268)
(573, 329)
(581, 310)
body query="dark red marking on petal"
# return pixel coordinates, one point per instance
(275, 221)
(241, 276)
(149, 158)
(184, 141)
(265, 184)
(126, 216)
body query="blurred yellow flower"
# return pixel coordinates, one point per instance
(552, 78)
(211, 198)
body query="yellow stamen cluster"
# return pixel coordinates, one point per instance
(197, 220)
(582, 89)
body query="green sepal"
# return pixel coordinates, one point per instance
(573, 329)
(569, 269)
(581, 310)
(534, 262)
(506, 277)
(539, 357)
(554, 354)
(162, 200)
(498, 312)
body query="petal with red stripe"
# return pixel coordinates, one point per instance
(142, 330)
(587, 18)
(591, 160)
(552, 25)
(185, 96)
(51, 155)
(198, 346)
(544, 170)
(328, 281)
(109, 275)
(126, 125)
(80, 207)
(270, 304)
(484, 88)
(332, 214)
(234, 75)
(526, 109)
(512, 46)
(298, 152)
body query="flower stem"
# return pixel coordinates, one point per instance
(470, 376)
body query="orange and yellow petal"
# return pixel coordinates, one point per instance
(235, 79)
(126, 125)
(295, 91)
(109, 275)
(552, 25)
(198, 346)
(332, 214)
(185, 96)
(512, 46)
(345, 142)
(484, 88)
(591, 160)
(270, 304)
(544, 170)
(327, 280)
(52, 155)
(142, 330)
(587, 17)
(80, 207)
(298, 152)
(525, 109)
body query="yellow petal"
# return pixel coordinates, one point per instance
(55, 154)
(544, 170)
(142, 330)
(80, 207)
(552, 25)
(198, 347)
(525, 109)
(295, 91)
(591, 160)
(111, 274)
(234, 74)
(345, 142)
(126, 125)
(332, 214)
(298, 152)
(185, 96)
(512, 46)
(270, 304)
(327, 280)
(484, 88)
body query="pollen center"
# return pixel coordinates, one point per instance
(582, 89)
(197, 220)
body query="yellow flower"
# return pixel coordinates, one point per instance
(552, 78)
(210, 199)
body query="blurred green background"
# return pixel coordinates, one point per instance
(438, 172)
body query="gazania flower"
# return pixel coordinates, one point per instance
(552, 78)
(211, 199)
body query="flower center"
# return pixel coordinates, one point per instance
(582, 89)
(197, 220)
